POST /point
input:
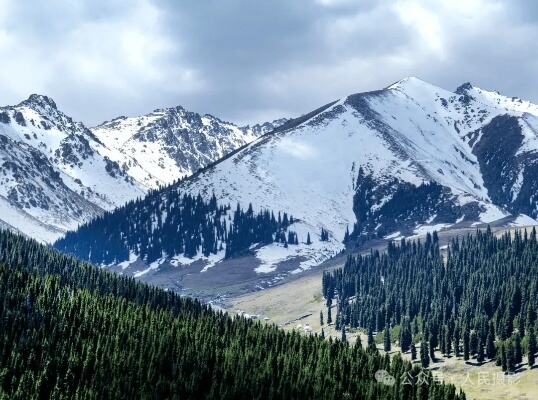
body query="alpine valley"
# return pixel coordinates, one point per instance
(56, 174)
(376, 166)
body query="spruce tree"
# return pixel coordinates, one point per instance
(358, 342)
(510, 359)
(386, 339)
(466, 352)
(456, 344)
(480, 351)
(473, 343)
(321, 318)
(413, 351)
(346, 235)
(431, 346)
(448, 342)
(371, 341)
(504, 361)
(531, 346)
(424, 354)
(405, 335)
(490, 343)
(518, 353)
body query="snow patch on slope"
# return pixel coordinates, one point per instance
(309, 255)
(523, 220)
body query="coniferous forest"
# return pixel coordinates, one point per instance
(479, 300)
(73, 331)
(168, 224)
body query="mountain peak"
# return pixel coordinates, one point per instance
(409, 83)
(464, 88)
(40, 100)
(169, 110)
(405, 81)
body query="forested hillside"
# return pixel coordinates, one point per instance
(72, 331)
(479, 301)
(171, 224)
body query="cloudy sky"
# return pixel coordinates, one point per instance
(247, 61)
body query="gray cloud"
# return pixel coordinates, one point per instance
(248, 61)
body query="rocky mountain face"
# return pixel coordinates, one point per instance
(55, 173)
(392, 163)
(172, 143)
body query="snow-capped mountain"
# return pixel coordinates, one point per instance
(55, 173)
(400, 161)
(354, 158)
(403, 160)
(173, 143)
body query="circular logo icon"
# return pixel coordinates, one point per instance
(384, 377)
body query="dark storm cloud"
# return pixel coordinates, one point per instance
(245, 50)
(254, 60)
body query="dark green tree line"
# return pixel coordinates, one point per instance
(169, 223)
(73, 331)
(482, 293)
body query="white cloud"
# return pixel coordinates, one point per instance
(247, 60)
(425, 22)
(127, 55)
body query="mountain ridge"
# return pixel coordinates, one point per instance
(400, 161)
(180, 140)
(56, 173)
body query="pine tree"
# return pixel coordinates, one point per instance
(456, 344)
(490, 343)
(473, 343)
(413, 351)
(358, 342)
(504, 361)
(308, 241)
(344, 338)
(531, 346)
(346, 235)
(446, 341)
(480, 351)
(405, 335)
(386, 339)
(431, 346)
(466, 352)
(510, 359)
(371, 341)
(424, 354)
(518, 353)
(321, 318)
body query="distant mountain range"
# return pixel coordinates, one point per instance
(396, 162)
(172, 143)
(56, 173)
